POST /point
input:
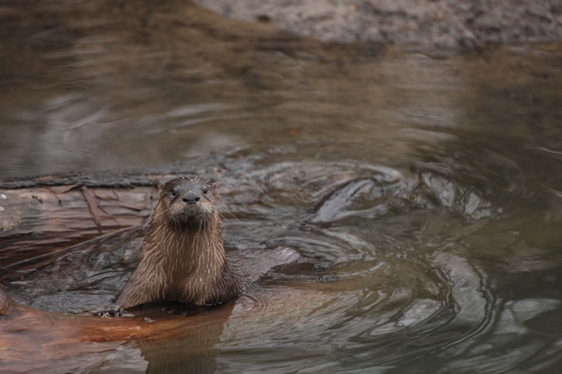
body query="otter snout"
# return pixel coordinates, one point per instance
(191, 198)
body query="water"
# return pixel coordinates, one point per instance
(422, 188)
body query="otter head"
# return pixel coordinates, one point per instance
(188, 201)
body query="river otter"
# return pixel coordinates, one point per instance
(183, 257)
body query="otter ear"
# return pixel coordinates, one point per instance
(160, 187)
(215, 188)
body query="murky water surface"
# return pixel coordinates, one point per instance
(423, 189)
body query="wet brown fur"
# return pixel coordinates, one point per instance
(182, 257)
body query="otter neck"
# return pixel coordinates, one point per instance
(190, 249)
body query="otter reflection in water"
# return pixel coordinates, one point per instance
(183, 257)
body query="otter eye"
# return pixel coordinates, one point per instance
(205, 189)
(174, 192)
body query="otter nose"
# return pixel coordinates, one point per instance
(191, 198)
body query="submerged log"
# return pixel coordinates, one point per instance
(45, 215)
(34, 340)
(37, 341)
(35, 222)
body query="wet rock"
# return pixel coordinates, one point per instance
(444, 23)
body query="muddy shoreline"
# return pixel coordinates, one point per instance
(429, 23)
